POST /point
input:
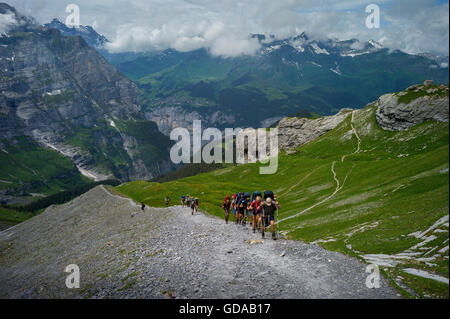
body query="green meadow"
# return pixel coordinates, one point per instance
(395, 185)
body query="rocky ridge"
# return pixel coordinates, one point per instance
(425, 103)
(170, 117)
(395, 112)
(295, 132)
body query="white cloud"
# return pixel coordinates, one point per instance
(6, 21)
(224, 26)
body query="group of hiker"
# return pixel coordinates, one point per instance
(261, 210)
(187, 201)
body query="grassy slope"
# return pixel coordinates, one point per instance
(109, 154)
(396, 185)
(41, 170)
(10, 217)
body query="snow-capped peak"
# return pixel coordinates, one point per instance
(319, 50)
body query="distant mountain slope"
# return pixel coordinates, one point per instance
(92, 38)
(381, 195)
(59, 94)
(285, 77)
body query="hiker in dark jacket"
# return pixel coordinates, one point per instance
(268, 213)
(188, 201)
(167, 200)
(226, 205)
(243, 206)
(194, 205)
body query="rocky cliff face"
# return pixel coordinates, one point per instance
(395, 112)
(294, 132)
(168, 118)
(415, 105)
(66, 96)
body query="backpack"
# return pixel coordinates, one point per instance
(242, 202)
(247, 195)
(255, 205)
(268, 194)
(256, 194)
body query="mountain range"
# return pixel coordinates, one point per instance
(67, 114)
(100, 115)
(285, 77)
(297, 75)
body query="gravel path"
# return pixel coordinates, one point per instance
(123, 252)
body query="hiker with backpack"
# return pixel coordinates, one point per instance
(194, 205)
(188, 201)
(183, 201)
(275, 198)
(167, 200)
(269, 209)
(240, 207)
(235, 205)
(197, 203)
(226, 205)
(256, 207)
(244, 207)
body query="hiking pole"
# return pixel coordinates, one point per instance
(263, 223)
(278, 226)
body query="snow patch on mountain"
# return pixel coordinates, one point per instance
(319, 50)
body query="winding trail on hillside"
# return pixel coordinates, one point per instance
(339, 185)
(337, 189)
(358, 149)
(124, 252)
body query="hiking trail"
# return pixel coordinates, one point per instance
(124, 252)
(339, 186)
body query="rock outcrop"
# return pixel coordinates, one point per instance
(415, 105)
(295, 132)
(168, 118)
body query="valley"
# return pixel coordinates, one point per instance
(378, 195)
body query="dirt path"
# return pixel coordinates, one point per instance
(358, 149)
(339, 185)
(123, 252)
(336, 190)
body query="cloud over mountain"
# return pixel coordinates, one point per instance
(224, 27)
